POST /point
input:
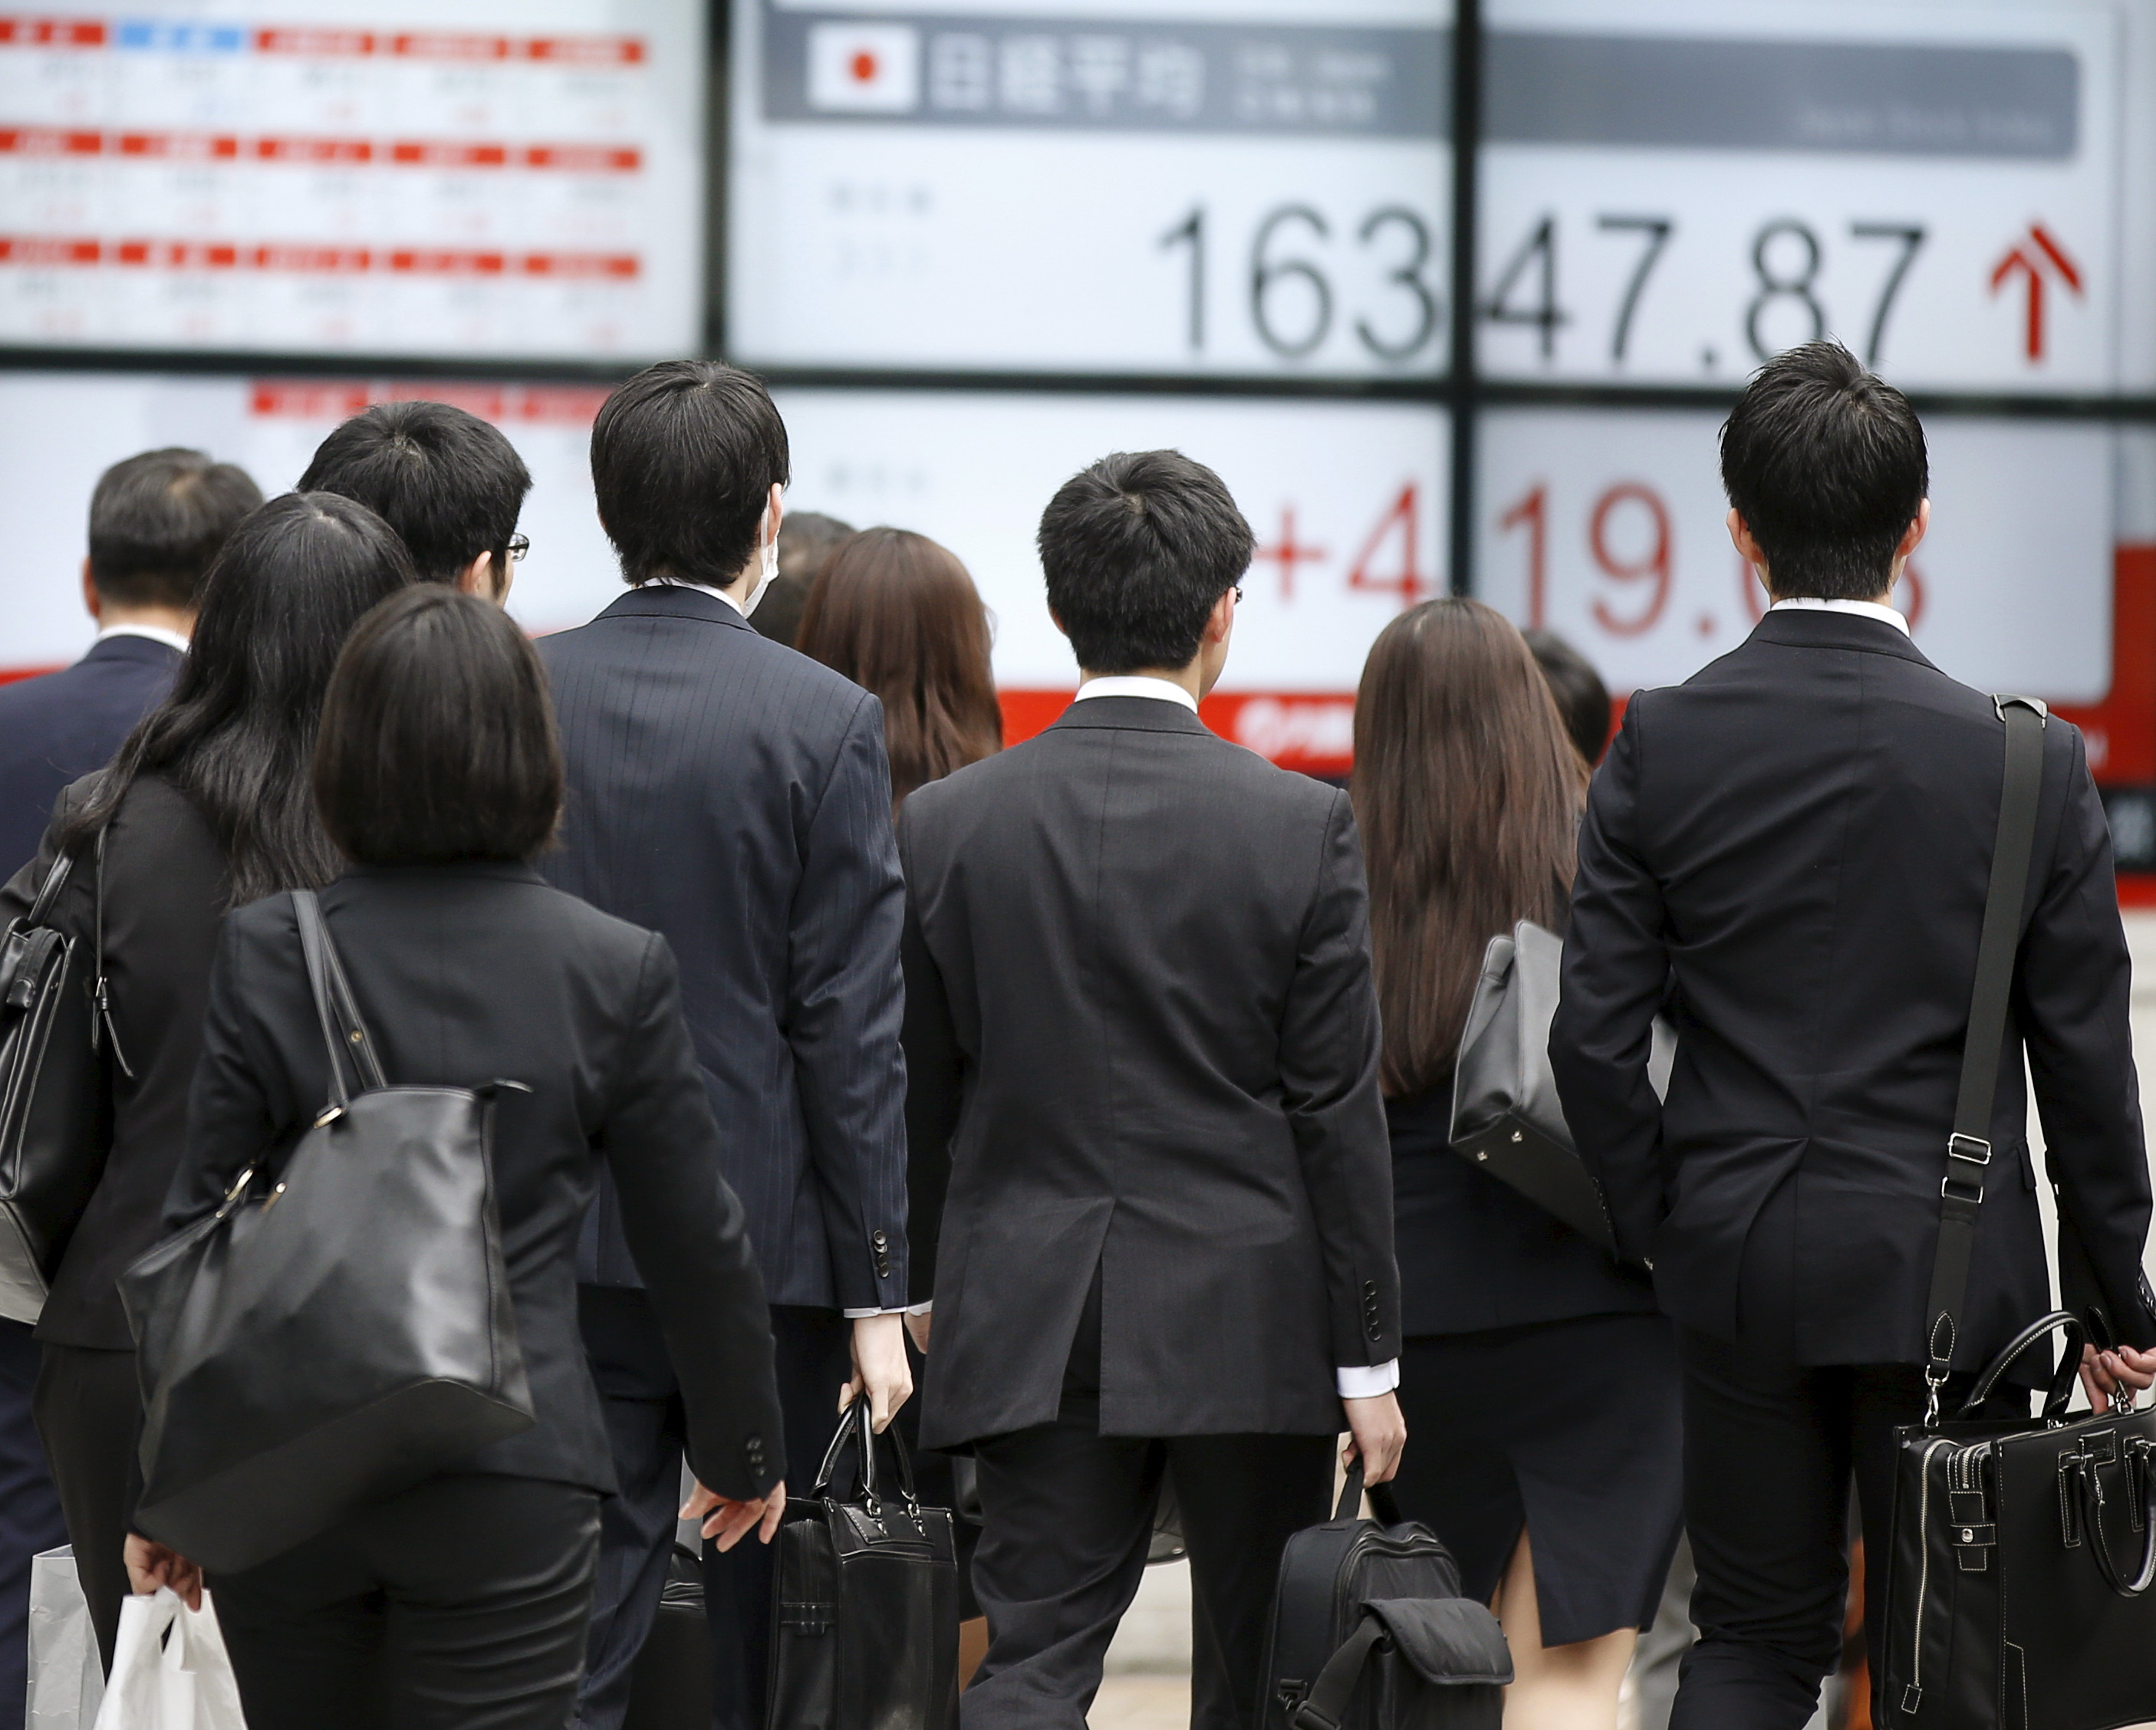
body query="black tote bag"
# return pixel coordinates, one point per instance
(2018, 1582)
(864, 1601)
(334, 1337)
(55, 1117)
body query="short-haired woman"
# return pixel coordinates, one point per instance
(206, 805)
(463, 1601)
(899, 615)
(1540, 1384)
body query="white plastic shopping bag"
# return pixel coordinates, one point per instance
(66, 1677)
(169, 1669)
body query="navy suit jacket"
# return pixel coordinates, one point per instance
(56, 729)
(735, 797)
(1799, 839)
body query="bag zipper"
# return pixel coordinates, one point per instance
(1914, 1693)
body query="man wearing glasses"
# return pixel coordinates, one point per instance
(448, 482)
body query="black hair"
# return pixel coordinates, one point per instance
(447, 481)
(1826, 462)
(1582, 698)
(438, 739)
(684, 457)
(158, 520)
(1137, 549)
(237, 731)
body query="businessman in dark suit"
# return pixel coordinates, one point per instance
(734, 796)
(156, 522)
(1143, 1046)
(1796, 843)
(451, 484)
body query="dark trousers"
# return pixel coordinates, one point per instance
(89, 1407)
(29, 1511)
(1067, 1518)
(644, 1427)
(1770, 1448)
(460, 1604)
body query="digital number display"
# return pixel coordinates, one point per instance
(1607, 526)
(1038, 185)
(1675, 190)
(520, 178)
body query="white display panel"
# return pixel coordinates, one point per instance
(1255, 186)
(1346, 500)
(1608, 526)
(427, 177)
(1673, 189)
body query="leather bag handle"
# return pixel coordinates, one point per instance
(1969, 1148)
(49, 892)
(2083, 1467)
(1353, 1489)
(2063, 1376)
(335, 1008)
(857, 1428)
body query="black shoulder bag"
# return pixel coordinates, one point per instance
(55, 1124)
(1369, 1631)
(2017, 1587)
(338, 1335)
(864, 1600)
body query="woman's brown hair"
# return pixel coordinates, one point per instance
(898, 615)
(1468, 792)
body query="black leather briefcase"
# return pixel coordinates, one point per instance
(1369, 1631)
(865, 1600)
(338, 1338)
(55, 1125)
(2018, 1589)
(670, 1686)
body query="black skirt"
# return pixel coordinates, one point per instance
(1572, 1429)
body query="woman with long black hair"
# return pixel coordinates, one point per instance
(1539, 1383)
(206, 805)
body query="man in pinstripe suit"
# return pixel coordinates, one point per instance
(735, 796)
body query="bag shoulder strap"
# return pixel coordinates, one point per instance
(49, 892)
(344, 1034)
(1968, 1148)
(1326, 1704)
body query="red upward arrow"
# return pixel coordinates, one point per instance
(2030, 256)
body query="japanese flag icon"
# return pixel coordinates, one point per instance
(863, 67)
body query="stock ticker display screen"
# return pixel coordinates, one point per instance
(439, 178)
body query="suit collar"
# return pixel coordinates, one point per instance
(1142, 715)
(1807, 630)
(143, 651)
(670, 600)
(510, 870)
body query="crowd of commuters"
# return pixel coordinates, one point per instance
(1100, 1084)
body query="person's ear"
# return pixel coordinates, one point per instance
(1913, 537)
(1056, 622)
(1222, 619)
(1747, 549)
(93, 602)
(477, 577)
(775, 511)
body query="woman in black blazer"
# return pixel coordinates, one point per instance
(463, 1601)
(206, 803)
(1540, 1385)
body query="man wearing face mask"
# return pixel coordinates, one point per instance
(735, 797)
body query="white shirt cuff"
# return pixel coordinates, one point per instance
(1367, 1381)
(851, 1315)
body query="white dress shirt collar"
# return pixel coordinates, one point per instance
(702, 588)
(155, 633)
(1860, 609)
(1126, 685)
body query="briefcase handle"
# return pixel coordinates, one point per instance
(2078, 1477)
(2062, 1377)
(856, 1427)
(1352, 1492)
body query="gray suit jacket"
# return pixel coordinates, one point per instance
(734, 797)
(1142, 1038)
